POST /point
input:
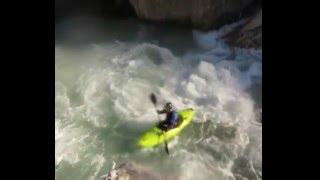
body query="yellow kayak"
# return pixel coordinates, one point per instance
(155, 135)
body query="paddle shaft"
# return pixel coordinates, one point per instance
(154, 102)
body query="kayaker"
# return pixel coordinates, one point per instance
(172, 118)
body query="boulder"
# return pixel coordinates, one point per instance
(203, 14)
(248, 35)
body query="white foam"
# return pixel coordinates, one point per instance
(114, 82)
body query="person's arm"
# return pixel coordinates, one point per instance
(161, 111)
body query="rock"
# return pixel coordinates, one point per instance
(248, 35)
(202, 14)
(113, 8)
(133, 171)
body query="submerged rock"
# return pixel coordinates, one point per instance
(248, 35)
(225, 132)
(244, 169)
(203, 14)
(133, 171)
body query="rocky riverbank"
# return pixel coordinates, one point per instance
(208, 15)
(198, 14)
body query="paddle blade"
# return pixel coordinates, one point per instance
(153, 98)
(166, 146)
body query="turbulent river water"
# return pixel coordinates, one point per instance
(105, 71)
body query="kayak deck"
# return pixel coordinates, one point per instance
(155, 135)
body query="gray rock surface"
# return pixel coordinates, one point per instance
(248, 35)
(202, 14)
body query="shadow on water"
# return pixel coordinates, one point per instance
(154, 55)
(256, 94)
(84, 30)
(121, 146)
(243, 167)
(122, 138)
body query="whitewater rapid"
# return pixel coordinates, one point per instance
(102, 107)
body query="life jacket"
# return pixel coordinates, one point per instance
(172, 118)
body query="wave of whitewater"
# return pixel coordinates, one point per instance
(102, 107)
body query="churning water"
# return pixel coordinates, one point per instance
(105, 72)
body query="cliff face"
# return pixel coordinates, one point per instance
(208, 14)
(248, 35)
(202, 14)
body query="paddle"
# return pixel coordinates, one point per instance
(154, 102)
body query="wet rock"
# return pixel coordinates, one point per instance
(248, 35)
(202, 14)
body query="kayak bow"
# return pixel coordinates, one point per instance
(155, 135)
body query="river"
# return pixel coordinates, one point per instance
(104, 73)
